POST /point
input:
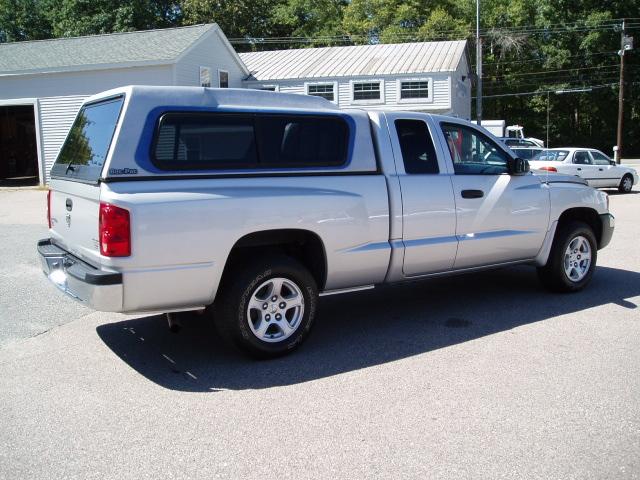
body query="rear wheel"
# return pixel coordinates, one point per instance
(572, 259)
(626, 184)
(267, 309)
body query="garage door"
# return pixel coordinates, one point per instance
(18, 154)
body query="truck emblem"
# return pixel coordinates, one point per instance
(123, 171)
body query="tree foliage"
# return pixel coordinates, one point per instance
(529, 46)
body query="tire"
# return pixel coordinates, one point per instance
(559, 276)
(246, 315)
(626, 184)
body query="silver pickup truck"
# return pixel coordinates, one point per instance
(251, 204)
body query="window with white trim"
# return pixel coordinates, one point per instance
(205, 77)
(324, 90)
(366, 91)
(410, 89)
(223, 79)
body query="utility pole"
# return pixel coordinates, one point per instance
(478, 65)
(546, 145)
(626, 43)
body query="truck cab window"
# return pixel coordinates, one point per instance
(472, 153)
(418, 152)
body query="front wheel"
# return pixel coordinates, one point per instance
(267, 308)
(626, 184)
(572, 259)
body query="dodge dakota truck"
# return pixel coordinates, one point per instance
(250, 204)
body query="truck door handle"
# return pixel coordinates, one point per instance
(600, 169)
(472, 193)
(579, 168)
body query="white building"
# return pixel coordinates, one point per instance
(425, 76)
(43, 83)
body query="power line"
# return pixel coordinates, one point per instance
(552, 71)
(543, 92)
(576, 27)
(603, 79)
(542, 59)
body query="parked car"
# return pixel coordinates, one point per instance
(592, 165)
(526, 152)
(251, 204)
(519, 142)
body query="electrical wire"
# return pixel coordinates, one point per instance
(576, 27)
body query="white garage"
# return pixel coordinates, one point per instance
(43, 83)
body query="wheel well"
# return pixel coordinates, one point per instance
(586, 215)
(303, 245)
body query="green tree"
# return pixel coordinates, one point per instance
(320, 19)
(237, 18)
(86, 17)
(23, 20)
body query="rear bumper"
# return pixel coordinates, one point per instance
(96, 288)
(608, 224)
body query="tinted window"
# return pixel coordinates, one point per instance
(205, 141)
(85, 149)
(418, 153)
(201, 141)
(473, 153)
(582, 158)
(526, 153)
(600, 158)
(301, 141)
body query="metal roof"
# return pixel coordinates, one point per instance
(96, 51)
(387, 59)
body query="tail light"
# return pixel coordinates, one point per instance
(114, 231)
(49, 208)
(549, 169)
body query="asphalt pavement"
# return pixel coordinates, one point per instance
(478, 376)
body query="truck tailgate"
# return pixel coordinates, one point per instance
(74, 218)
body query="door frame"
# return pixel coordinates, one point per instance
(18, 102)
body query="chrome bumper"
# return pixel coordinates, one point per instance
(93, 287)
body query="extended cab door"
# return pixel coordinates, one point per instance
(500, 217)
(428, 207)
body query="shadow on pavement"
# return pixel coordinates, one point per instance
(360, 330)
(616, 192)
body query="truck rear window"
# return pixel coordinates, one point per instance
(216, 141)
(85, 149)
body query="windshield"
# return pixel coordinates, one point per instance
(552, 155)
(526, 153)
(85, 149)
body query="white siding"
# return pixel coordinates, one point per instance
(441, 95)
(209, 52)
(81, 83)
(461, 91)
(56, 117)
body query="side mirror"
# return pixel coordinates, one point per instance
(613, 162)
(517, 166)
